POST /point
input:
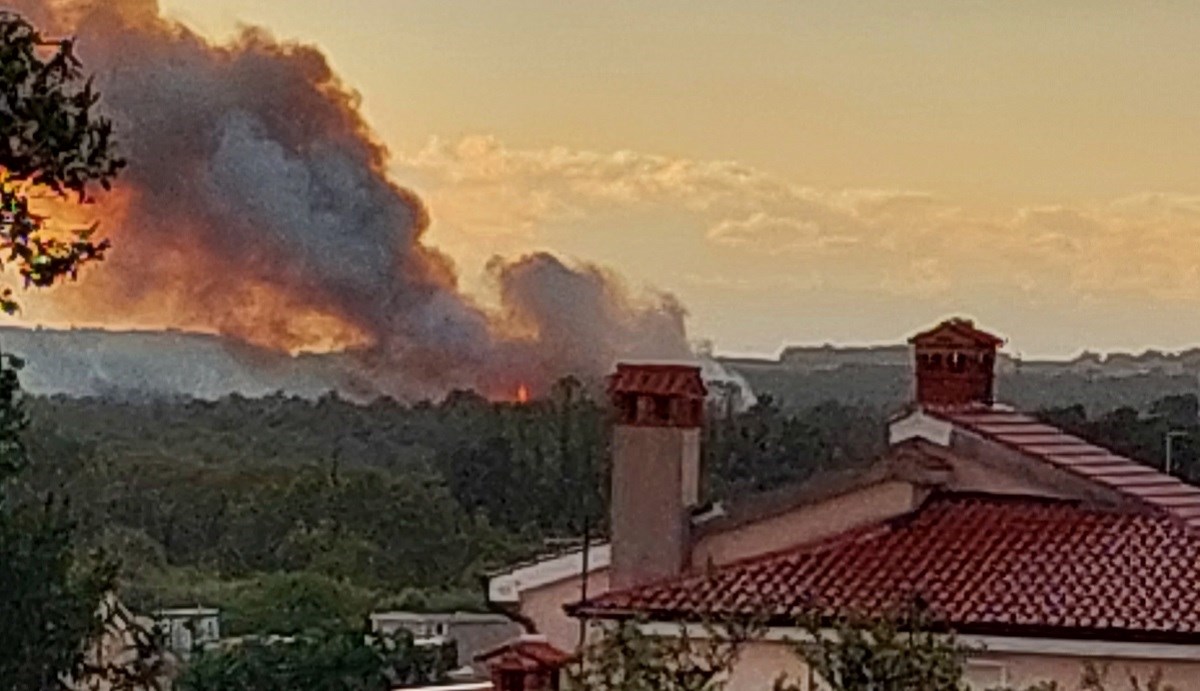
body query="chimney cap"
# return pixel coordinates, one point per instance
(957, 330)
(658, 379)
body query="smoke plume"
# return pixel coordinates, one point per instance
(256, 205)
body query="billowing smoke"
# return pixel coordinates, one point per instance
(256, 205)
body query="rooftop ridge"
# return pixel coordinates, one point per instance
(1099, 464)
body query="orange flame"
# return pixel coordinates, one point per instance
(522, 394)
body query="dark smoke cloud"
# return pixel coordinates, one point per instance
(256, 205)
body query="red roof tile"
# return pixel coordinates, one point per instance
(983, 564)
(538, 652)
(1079, 457)
(659, 380)
(960, 328)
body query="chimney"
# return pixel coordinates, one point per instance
(955, 365)
(655, 469)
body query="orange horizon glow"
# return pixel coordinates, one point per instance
(834, 172)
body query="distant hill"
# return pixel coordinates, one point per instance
(132, 364)
(156, 364)
(881, 377)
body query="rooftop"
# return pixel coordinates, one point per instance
(658, 379)
(188, 612)
(530, 647)
(1031, 437)
(958, 329)
(984, 564)
(448, 617)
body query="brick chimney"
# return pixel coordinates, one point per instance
(955, 365)
(655, 469)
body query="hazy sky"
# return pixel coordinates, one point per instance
(801, 171)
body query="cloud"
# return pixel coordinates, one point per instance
(922, 278)
(772, 234)
(887, 242)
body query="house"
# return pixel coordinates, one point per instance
(189, 629)
(471, 633)
(1044, 549)
(525, 663)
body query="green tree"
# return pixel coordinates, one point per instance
(54, 601)
(293, 603)
(345, 660)
(626, 658)
(909, 652)
(52, 143)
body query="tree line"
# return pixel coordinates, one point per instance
(236, 501)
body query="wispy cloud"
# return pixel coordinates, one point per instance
(887, 241)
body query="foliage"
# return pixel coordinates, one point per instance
(50, 602)
(888, 387)
(765, 447)
(911, 652)
(401, 506)
(338, 660)
(51, 143)
(293, 603)
(888, 654)
(1095, 677)
(1142, 435)
(900, 653)
(625, 658)
(53, 600)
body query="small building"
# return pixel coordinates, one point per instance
(526, 663)
(471, 633)
(1041, 549)
(186, 630)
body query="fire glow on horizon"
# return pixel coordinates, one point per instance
(257, 205)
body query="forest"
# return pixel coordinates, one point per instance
(335, 508)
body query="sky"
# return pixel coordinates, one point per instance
(800, 172)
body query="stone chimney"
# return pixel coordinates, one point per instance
(955, 365)
(655, 469)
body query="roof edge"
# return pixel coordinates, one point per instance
(1000, 630)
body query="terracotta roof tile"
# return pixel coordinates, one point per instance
(982, 563)
(658, 379)
(963, 328)
(539, 652)
(1077, 456)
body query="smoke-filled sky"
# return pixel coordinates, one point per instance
(815, 171)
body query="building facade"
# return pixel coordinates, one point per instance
(471, 633)
(1042, 549)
